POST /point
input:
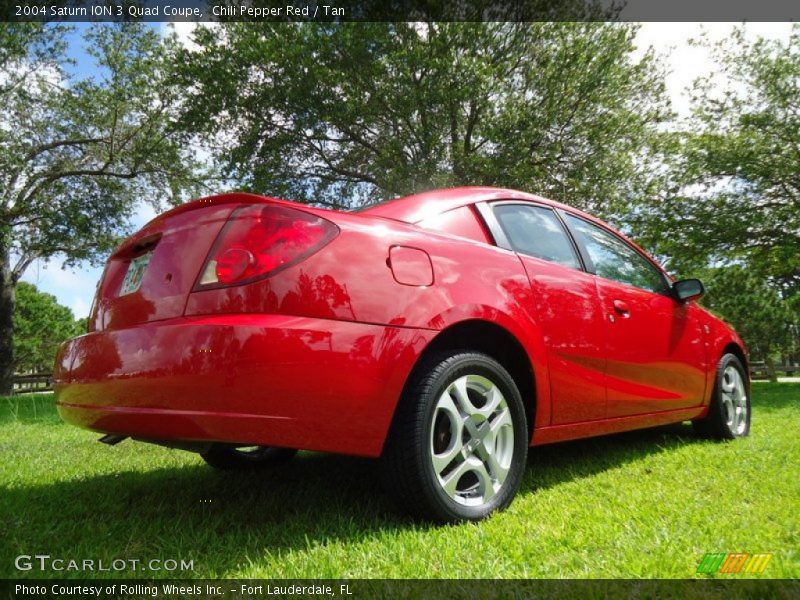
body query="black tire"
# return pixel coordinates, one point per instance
(408, 458)
(720, 423)
(232, 458)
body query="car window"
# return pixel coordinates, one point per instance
(614, 259)
(536, 231)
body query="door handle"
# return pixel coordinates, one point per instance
(621, 307)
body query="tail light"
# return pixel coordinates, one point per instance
(261, 240)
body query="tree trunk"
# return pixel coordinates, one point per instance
(770, 364)
(7, 301)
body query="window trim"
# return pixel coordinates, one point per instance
(590, 267)
(486, 210)
(493, 225)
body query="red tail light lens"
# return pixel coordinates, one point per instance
(233, 264)
(261, 240)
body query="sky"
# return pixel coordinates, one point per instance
(75, 288)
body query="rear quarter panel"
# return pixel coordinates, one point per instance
(351, 279)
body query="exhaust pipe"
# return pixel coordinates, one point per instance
(112, 440)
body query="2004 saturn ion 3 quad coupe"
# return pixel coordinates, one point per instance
(445, 332)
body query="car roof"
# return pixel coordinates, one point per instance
(418, 207)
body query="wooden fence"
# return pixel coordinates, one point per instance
(33, 382)
(758, 370)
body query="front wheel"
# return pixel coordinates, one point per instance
(231, 458)
(459, 442)
(729, 413)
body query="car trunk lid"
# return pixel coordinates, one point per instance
(150, 276)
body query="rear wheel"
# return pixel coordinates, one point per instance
(729, 414)
(459, 443)
(228, 457)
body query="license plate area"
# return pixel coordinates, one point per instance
(135, 274)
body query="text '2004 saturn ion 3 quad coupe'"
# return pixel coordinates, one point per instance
(445, 332)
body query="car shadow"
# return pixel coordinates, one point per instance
(224, 520)
(555, 464)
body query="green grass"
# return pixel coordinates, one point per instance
(640, 504)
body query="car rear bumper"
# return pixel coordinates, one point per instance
(276, 380)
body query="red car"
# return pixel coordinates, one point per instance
(445, 332)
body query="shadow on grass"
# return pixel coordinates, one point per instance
(224, 520)
(555, 464)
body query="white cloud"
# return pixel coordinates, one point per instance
(80, 307)
(144, 214)
(183, 30)
(686, 63)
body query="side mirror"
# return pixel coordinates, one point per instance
(688, 289)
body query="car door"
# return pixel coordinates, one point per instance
(565, 304)
(655, 353)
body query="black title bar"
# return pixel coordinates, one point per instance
(372, 589)
(397, 10)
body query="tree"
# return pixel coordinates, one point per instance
(344, 114)
(77, 154)
(736, 171)
(40, 325)
(757, 311)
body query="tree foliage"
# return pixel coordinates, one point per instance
(40, 325)
(78, 153)
(756, 310)
(342, 114)
(736, 172)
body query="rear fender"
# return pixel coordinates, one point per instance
(525, 330)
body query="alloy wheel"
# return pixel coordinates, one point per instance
(734, 400)
(472, 440)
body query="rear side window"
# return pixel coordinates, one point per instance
(536, 231)
(460, 221)
(614, 259)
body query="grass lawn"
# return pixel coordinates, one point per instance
(641, 504)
